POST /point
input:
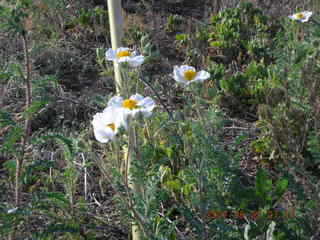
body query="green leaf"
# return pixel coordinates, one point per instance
(173, 184)
(6, 118)
(13, 136)
(10, 166)
(4, 77)
(216, 44)
(181, 37)
(263, 185)
(58, 199)
(186, 190)
(35, 108)
(281, 187)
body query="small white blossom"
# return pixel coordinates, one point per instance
(186, 74)
(301, 16)
(124, 54)
(107, 123)
(134, 105)
(12, 210)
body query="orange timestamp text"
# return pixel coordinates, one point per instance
(253, 215)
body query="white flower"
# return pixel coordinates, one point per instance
(12, 210)
(134, 105)
(186, 74)
(123, 54)
(107, 123)
(301, 16)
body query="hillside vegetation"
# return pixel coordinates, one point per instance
(229, 149)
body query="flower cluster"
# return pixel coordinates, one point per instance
(106, 124)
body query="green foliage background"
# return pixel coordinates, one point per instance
(246, 141)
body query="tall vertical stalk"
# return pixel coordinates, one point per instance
(135, 230)
(116, 32)
(27, 123)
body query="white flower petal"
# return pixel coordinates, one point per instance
(293, 17)
(103, 135)
(185, 68)
(116, 115)
(147, 102)
(111, 54)
(148, 105)
(137, 97)
(136, 61)
(111, 115)
(115, 101)
(98, 120)
(202, 75)
(307, 15)
(124, 59)
(120, 118)
(101, 130)
(12, 210)
(177, 75)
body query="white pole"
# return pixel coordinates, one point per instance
(116, 31)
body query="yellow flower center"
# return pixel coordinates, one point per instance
(189, 75)
(130, 104)
(123, 54)
(112, 126)
(299, 15)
